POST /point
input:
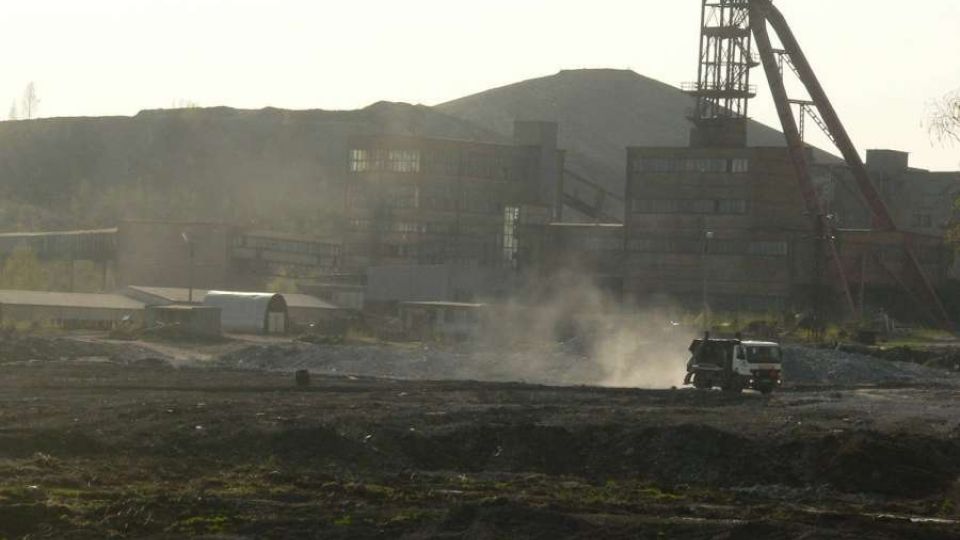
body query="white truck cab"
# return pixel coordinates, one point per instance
(735, 364)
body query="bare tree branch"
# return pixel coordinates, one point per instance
(30, 102)
(944, 118)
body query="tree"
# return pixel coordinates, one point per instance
(945, 118)
(23, 271)
(184, 104)
(30, 103)
(13, 114)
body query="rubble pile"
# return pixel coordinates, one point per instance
(552, 365)
(938, 357)
(18, 349)
(806, 366)
(559, 364)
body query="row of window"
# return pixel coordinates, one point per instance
(487, 252)
(439, 198)
(494, 166)
(424, 227)
(381, 159)
(690, 206)
(691, 165)
(287, 246)
(596, 242)
(712, 247)
(511, 245)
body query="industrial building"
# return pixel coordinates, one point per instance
(69, 310)
(180, 254)
(731, 214)
(921, 201)
(425, 201)
(712, 225)
(303, 310)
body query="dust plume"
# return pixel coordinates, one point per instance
(569, 331)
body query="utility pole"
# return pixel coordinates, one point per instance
(189, 242)
(708, 235)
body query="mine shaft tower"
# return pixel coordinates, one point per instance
(729, 29)
(723, 90)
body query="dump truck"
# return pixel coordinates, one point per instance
(734, 365)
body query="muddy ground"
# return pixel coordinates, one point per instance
(113, 443)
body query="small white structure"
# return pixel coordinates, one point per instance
(249, 312)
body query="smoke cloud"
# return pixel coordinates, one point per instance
(572, 332)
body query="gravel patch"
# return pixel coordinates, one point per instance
(563, 365)
(830, 367)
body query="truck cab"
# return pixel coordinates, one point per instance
(735, 364)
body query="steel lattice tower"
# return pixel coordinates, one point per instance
(723, 90)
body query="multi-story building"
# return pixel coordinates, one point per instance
(920, 201)
(728, 227)
(425, 201)
(730, 220)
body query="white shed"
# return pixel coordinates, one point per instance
(250, 312)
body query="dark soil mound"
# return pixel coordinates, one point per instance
(504, 519)
(854, 462)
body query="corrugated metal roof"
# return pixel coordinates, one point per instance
(306, 301)
(463, 305)
(180, 296)
(57, 233)
(288, 236)
(242, 311)
(172, 294)
(65, 299)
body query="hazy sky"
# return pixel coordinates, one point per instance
(881, 61)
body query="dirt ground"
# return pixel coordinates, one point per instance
(119, 443)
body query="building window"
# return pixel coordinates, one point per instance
(511, 221)
(692, 165)
(666, 245)
(769, 249)
(400, 161)
(690, 206)
(656, 206)
(442, 198)
(404, 197)
(403, 161)
(359, 160)
(724, 247)
(731, 206)
(361, 225)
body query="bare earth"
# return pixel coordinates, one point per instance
(107, 447)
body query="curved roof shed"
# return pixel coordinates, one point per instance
(246, 312)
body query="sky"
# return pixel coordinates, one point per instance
(882, 62)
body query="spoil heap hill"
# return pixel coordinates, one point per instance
(268, 167)
(601, 112)
(204, 164)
